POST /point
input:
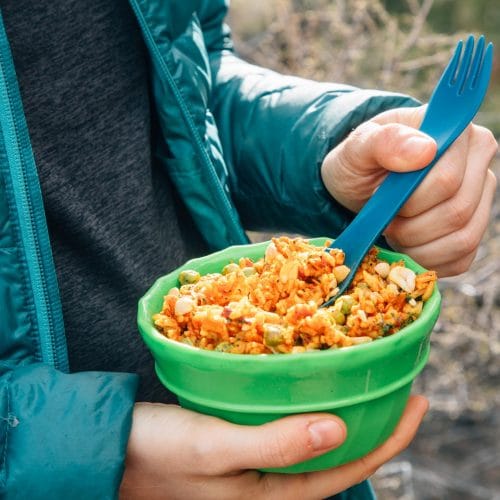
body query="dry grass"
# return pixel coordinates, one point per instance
(350, 41)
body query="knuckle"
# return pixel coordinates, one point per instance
(447, 179)
(401, 241)
(411, 208)
(368, 468)
(265, 488)
(360, 133)
(463, 266)
(350, 147)
(399, 442)
(200, 449)
(459, 214)
(397, 243)
(459, 267)
(487, 141)
(467, 240)
(389, 136)
(389, 130)
(454, 270)
(467, 261)
(291, 490)
(202, 453)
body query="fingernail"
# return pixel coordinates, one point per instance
(326, 433)
(415, 143)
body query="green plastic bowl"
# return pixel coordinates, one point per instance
(366, 385)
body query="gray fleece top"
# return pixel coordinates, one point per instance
(115, 222)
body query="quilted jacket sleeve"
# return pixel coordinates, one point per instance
(44, 452)
(276, 130)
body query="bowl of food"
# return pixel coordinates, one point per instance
(240, 334)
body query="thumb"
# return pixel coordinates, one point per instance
(283, 442)
(393, 146)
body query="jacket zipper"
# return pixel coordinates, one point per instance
(240, 234)
(32, 223)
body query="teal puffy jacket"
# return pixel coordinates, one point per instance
(243, 146)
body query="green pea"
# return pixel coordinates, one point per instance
(339, 317)
(273, 335)
(224, 347)
(188, 277)
(386, 329)
(347, 303)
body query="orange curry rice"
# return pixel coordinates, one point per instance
(273, 305)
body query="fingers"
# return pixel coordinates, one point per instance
(453, 215)
(462, 168)
(453, 253)
(442, 227)
(176, 453)
(218, 447)
(417, 225)
(325, 483)
(443, 181)
(277, 444)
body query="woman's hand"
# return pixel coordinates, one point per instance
(175, 453)
(442, 223)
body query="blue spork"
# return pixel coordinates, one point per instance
(453, 104)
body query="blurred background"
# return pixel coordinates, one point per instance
(403, 45)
